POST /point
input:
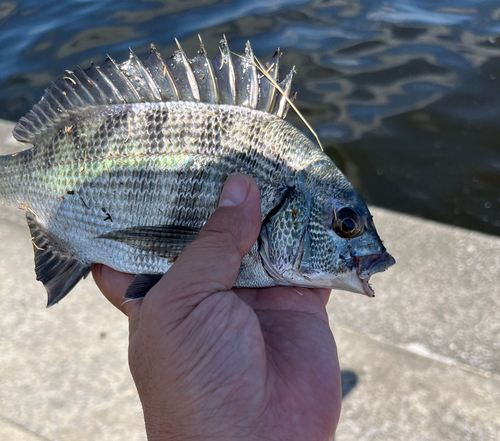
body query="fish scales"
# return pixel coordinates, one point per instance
(143, 170)
(129, 185)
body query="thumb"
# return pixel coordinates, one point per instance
(212, 261)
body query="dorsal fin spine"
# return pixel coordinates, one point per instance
(211, 75)
(34, 117)
(69, 93)
(217, 81)
(61, 97)
(93, 89)
(282, 105)
(149, 80)
(100, 79)
(161, 75)
(267, 91)
(122, 83)
(47, 108)
(38, 111)
(140, 79)
(247, 79)
(205, 77)
(80, 90)
(254, 91)
(191, 80)
(225, 73)
(54, 103)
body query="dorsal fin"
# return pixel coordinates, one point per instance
(203, 71)
(282, 105)
(225, 74)
(267, 92)
(107, 85)
(248, 81)
(183, 75)
(162, 76)
(82, 79)
(218, 81)
(121, 82)
(140, 78)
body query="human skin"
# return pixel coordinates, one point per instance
(215, 363)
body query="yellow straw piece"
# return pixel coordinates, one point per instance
(259, 66)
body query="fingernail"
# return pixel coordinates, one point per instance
(235, 190)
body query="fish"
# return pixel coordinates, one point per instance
(129, 160)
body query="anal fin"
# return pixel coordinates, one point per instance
(58, 271)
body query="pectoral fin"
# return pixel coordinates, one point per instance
(166, 241)
(58, 271)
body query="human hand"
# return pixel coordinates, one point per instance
(215, 363)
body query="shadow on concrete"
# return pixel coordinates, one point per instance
(349, 382)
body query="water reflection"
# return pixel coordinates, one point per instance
(403, 94)
(6, 9)
(96, 37)
(163, 8)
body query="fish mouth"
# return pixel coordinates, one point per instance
(366, 266)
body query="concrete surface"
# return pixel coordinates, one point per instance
(420, 361)
(441, 299)
(12, 431)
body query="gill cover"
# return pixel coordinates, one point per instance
(284, 241)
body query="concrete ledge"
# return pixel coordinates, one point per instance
(420, 360)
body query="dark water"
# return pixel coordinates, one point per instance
(405, 95)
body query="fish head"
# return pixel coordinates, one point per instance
(323, 236)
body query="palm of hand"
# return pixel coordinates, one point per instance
(261, 364)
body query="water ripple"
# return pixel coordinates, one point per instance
(404, 93)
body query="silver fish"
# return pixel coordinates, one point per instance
(129, 161)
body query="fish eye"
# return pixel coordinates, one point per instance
(348, 223)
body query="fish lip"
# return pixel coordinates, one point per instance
(371, 264)
(366, 266)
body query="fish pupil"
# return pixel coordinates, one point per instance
(348, 225)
